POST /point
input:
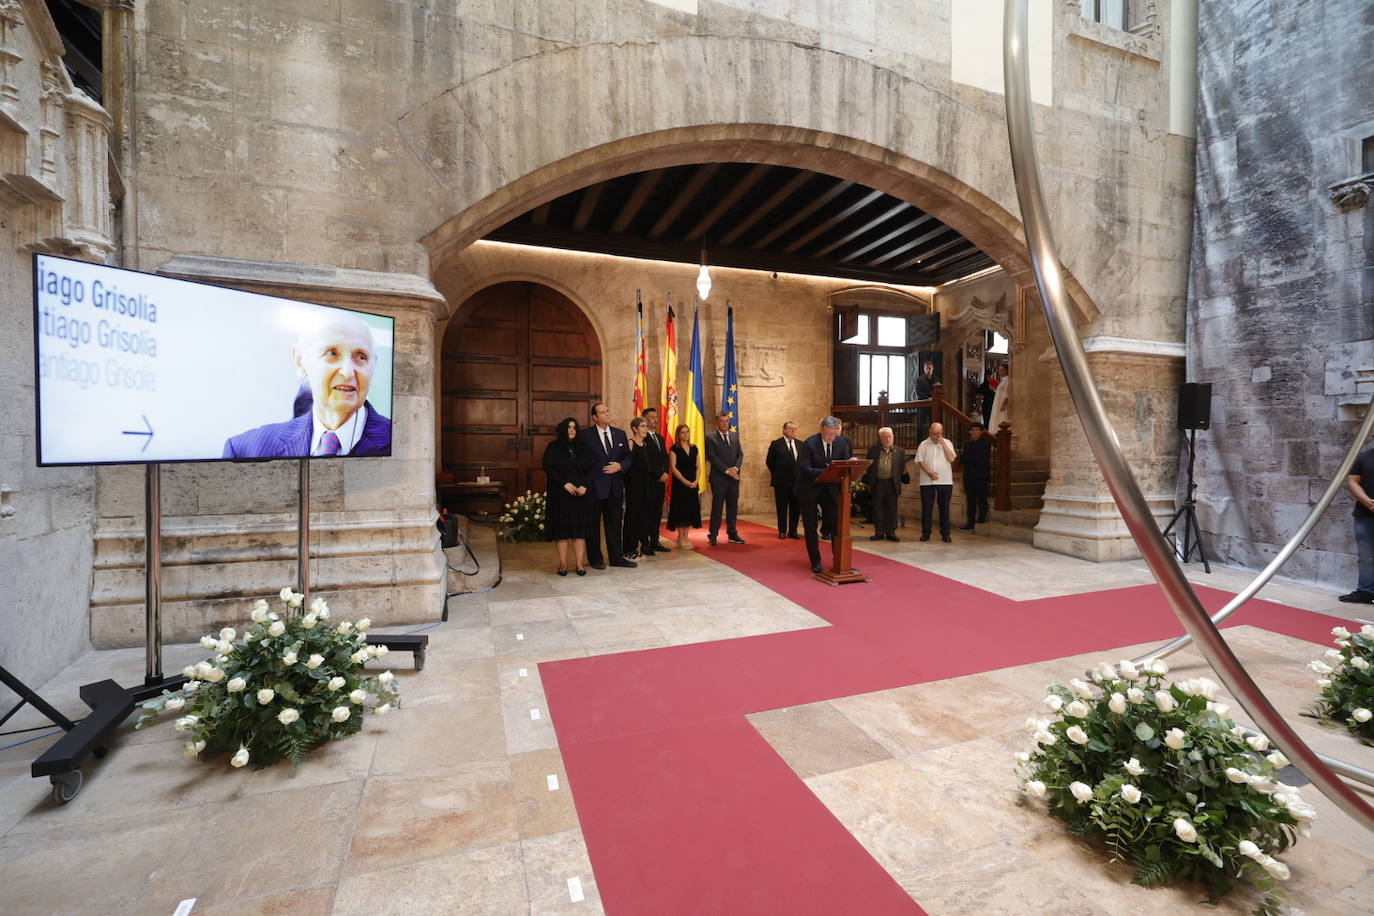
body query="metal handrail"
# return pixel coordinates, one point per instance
(1263, 577)
(1092, 412)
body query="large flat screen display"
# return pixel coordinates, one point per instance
(130, 368)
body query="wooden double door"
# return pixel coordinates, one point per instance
(517, 358)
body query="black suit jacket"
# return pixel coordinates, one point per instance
(655, 456)
(606, 485)
(925, 387)
(811, 462)
(899, 472)
(723, 456)
(782, 467)
(976, 458)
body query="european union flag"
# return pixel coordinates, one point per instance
(729, 392)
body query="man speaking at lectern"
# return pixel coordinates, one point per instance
(816, 453)
(336, 358)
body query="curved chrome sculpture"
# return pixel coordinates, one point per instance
(1106, 448)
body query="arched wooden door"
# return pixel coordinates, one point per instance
(517, 359)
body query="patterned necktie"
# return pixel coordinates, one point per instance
(606, 438)
(329, 445)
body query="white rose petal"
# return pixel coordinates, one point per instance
(235, 684)
(1186, 831)
(191, 686)
(214, 675)
(265, 696)
(1105, 672)
(1276, 868)
(228, 634)
(314, 662)
(380, 651)
(382, 710)
(1076, 735)
(1157, 666)
(1130, 793)
(364, 623)
(287, 716)
(276, 629)
(296, 601)
(1334, 656)
(1367, 630)
(1220, 709)
(1238, 731)
(1135, 695)
(208, 642)
(386, 677)
(360, 656)
(1361, 714)
(341, 713)
(1175, 738)
(1128, 670)
(335, 683)
(188, 671)
(1319, 667)
(1323, 682)
(1046, 738)
(1258, 742)
(318, 605)
(241, 758)
(1278, 760)
(344, 628)
(174, 704)
(1237, 776)
(1134, 767)
(1081, 689)
(1340, 632)
(1117, 704)
(289, 658)
(1054, 703)
(1081, 791)
(1035, 788)
(1022, 757)
(1078, 709)
(192, 748)
(186, 723)
(1248, 849)
(1164, 701)
(1359, 663)
(358, 696)
(309, 621)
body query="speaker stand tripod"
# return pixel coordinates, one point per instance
(1187, 514)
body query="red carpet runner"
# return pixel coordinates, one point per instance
(687, 809)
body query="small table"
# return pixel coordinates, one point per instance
(465, 497)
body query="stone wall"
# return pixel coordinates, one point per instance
(1280, 316)
(53, 198)
(783, 325)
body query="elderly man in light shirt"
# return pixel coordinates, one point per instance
(935, 457)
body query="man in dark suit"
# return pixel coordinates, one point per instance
(335, 359)
(976, 460)
(816, 453)
(884, 479)
(611, 451)
(925, 390)
(782, 474)
(656, 454)
(724, 455)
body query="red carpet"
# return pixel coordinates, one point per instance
(687, 809)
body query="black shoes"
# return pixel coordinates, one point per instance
(815, 567)
(894, 539)
(794, 536)
(782, 536)
(581, 572)
(965, 527)
(876, 537)
(825, 537)
(736, 539)
(562, 572)
(711, 539)
(1357, 597)
(627, 564)
(925, 537)
(598, 566)
(946, 538)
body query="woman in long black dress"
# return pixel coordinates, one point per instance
(568, 512)
(685, 510)
(638, 485)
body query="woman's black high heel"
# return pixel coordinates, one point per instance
(562, 572)
(581, 571)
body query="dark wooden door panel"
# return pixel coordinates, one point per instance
(517, 358)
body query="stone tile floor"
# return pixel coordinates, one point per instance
(447, 806)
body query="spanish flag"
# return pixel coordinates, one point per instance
(667, 410)
(641, 398)
(696, 402)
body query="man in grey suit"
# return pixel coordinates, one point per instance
(724, 455)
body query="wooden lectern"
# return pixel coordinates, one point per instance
(841, 572)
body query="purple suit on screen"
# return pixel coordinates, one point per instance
(292, 438)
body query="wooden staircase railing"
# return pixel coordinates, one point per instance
(910, 422)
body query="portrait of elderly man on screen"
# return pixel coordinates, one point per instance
(335, 359)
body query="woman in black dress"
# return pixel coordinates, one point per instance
(569, 508)
(638, 486)
(685, 510)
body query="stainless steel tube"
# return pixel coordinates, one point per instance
(1282, 557)
(1157, 553)
(303, 533)
(152, 573)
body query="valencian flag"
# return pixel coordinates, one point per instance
(729, 389)
(641, 398)
(696, 403)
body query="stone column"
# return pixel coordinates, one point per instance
(1139, 383)
(229, 530)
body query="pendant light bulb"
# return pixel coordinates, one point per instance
(703, 283)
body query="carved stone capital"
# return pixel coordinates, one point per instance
(1353, 193)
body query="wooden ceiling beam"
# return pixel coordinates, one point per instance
(900, 231)
(863, 229)
(587, 206)
(541, 214)
(731, 198)
(956, 255)
(833, 220)
(907, 246)
(767, 207)
(839, 187)
(700, 176)
(643, 188)
(925, 256)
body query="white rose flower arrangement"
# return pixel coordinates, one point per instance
(523, 520)
(281, 692)
(1160, 775)
(1346, 679)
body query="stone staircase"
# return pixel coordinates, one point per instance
(1028, 479)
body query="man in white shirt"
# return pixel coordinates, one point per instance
(935, 458)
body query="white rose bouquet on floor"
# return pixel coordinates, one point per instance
(292, 684)
(523, 520)
(1346, 677)
(1161, 775)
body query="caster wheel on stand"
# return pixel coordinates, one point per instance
(66, 787)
